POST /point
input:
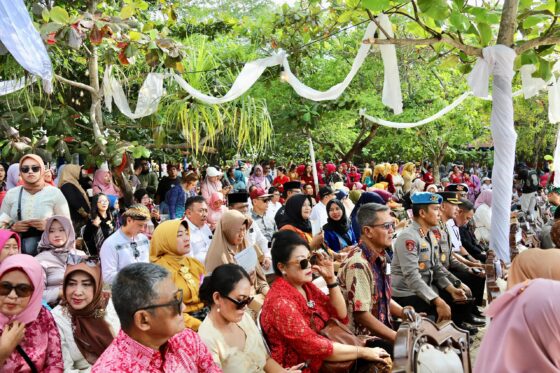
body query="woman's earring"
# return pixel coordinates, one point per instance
(218, 309)
(283, 273)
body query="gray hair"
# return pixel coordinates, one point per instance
(134, 288)
(367, 214)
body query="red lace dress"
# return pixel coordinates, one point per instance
(286, 323)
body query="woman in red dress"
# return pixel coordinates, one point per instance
(295, 309)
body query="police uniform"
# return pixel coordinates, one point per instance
(417, 272)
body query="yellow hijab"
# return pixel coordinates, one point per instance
(186, 272)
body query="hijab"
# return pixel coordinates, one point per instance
(228, 226)
(5, 235)
(31, 267)
(523, 334)
(340, 226)
(366, 197)
(12, 176)
(534, 263)
(187, 272)
(71, 175)
(45, 244)
(485, 197)
(99, 181)
(91, 332)
(293, 212)
(258, 180)
(40, 183)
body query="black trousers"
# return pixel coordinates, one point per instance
(419, 305)
(475, 283)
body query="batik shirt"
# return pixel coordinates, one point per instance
(366, 284)
(184, 353)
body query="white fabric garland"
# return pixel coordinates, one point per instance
(498, 61)
(251, 72)
(23, 41)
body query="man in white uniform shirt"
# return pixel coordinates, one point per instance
(196, 211)
(319, 215)
(127, 245)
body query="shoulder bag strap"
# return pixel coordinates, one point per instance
(27, 359)
(19, 203)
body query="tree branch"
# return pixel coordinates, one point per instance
(374, 20)
(83, 86)
(469, 50)
(207, 149)
(533, 43)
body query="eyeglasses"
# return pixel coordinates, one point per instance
(26, 169)
(304, 263)
(22, 290)
(90, 261)
(240, 304)
(386, 226)
(176, 303)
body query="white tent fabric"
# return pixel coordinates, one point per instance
(498, 61)
(251, 72)
(23, 41)
(556, 165)
(10, 86)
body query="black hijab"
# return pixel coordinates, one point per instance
(341, 226)
(293, 212)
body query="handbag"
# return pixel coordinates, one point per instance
(336, 331)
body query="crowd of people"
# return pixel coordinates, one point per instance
(243, 268)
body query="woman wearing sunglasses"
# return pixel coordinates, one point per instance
(169, 248)
(338, 232)
(30, 340)
(230, 239)
(229, 332)
(295, 309)
(27, 207)
(86, 319)
(10, 244)
(57, 243)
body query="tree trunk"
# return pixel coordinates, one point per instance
(359, 144)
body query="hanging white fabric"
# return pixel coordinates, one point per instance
(10, 86)
(149, 95)
(23, 41)
(498, 61)
(251, 72)
(556, 161)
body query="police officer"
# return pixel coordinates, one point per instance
(417, 274)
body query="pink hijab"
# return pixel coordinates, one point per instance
(214, 215)
(485, 197)
(99, 183)
(523, 333)
(259, 181)
(34, 271)
(5, 235)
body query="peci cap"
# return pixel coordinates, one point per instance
(325, 191)
(425, 198)
(462, 188)
(289, 185)
(239, 197)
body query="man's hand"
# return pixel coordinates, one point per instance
(442, 309)
(467, 290)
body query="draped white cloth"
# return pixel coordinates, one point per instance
(498, 61)
(23, 41)
(251, 72)
(10, 86)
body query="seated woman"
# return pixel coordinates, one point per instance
(141, 196)
(86, 319)
(523, 333)
(10, 244)
(229, 332)
(230, 239)
(295, 310)
(365, 197)
(534, 263)
(338, 232)
(78, 200)
(298, 211)
(57, 243)
(216, 209)
(99, 226)
(103, 183)
(28, 329)
(169, 248)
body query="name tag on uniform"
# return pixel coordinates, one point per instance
(423, 245)
(388, 269)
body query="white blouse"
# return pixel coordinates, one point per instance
(74, 361)
(42, 205)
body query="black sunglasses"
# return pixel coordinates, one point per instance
(22, 290)
(176, 303)
(240, 304)
(26, 169)
(304, 263)
(135, 251)
(90, 261)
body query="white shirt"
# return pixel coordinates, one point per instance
(272, 210)
(45, 203)
(200, 241)
(454, 236)
(319, 214)
(118, 251)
